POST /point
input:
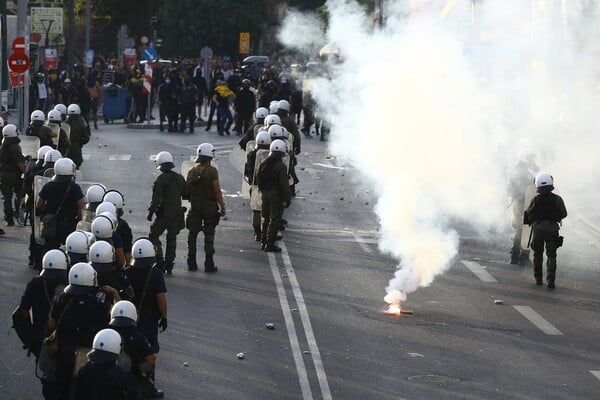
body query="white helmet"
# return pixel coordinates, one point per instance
(107, 340)
(273, 107)
(37, 115)
(206, 150)
(261, 112)
(544, 179)
(52, 156)
(102, 255)
(79, 242)
(73, 109)
(95, 194)
(114, 197)
(82, 276)
(1, 122)
(61, 108)
(54, 116)
(276, 132)
(286, 133)
(42, 152)
(102, 227)
(10, 130)
(123, 313)
(143, 253)
(55, 259)
(283, 105)
(164, 157)
(272, 119)
(64, 166)
(263, 138)
(278, 145)
(113, 218)
(106, 206)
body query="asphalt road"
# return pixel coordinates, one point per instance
(324, 294)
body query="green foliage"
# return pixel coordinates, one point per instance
(189, 25)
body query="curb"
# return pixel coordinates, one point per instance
(154, 125)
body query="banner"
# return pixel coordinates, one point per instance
(48, 19)
(88, 58)
(244, 42)
(50, 59)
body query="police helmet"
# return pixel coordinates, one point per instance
(1, 122)
(272, 119)
(102, 227)
(283, 105)
(106, 206)
(276, 132)
(73, 109)
(261, 112)
(123, 313)
(544, 179)
(106, 347)
(143, 253)
(164, 160)
(82, 277)
(113, 218)
(263, 138)
(37, 115)
(95, 194)
(102, 256)
(52, 156)
(277, 148)
(10, 131)
(64, 170)
(42, 152)
(54, 116)
(79, 242)
(55, 259)
(61, 108)
(115, 197)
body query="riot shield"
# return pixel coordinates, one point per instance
(526, 230)
(49, 173)
(67, 128)
(55, 128)
(86, 215)
(38, 184)
(255, 197)
(245, 192)
(78, 176)
(237, 158)
(29, 146)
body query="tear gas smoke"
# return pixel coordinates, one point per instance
(431, 110)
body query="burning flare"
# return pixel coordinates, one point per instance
(393, 298)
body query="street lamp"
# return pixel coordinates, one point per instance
(49, 21)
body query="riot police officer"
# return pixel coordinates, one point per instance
(78, 314)
(64, 141)
(263, 141)
(168, 190)
(101, 377)
(274, 187)
(37, 299)
(12, 165)
(78, 246)
(207, 206)
(545, 213)
(123, 230)
(151, 292)
(188, 96)
(102, 257)
(251, 133)
(79, 134)
(37, 128)
(143, 360)
(287, 121)
(104, 228)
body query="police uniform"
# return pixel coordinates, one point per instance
(42, 132)
(83, 316)
(124, 232)
(116, 278)
(106, 380)
(12, 165)
(169, 188)
(33, 169)
(545, 212)
(249, 173)
(204, 212)
(520, 179)
(188, 97)
(145, 300)
(79, 137)
(288, 123)
(52, 193)
(274, 186)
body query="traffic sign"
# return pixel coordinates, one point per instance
(150, 54)
(18, 63)
(18, 45)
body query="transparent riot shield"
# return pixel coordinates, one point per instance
(286, 161)
(255, 197)
(38, 184)
(245, 192)
(55, 128)
(86, 215)
(67, 128)
(526, 230)
(49, 173)
(29, 146)
(78, 176)
(237, 158)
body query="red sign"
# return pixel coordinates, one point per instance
(18, 63)
(16, 79)
(18, 45)
(130, 56)
(50, 59)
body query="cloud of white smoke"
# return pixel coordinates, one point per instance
(431, 109)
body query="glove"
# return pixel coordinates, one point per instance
(149, 217)
(162, 324)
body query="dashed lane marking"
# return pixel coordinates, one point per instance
(362, 243)
(119, 157)
(291, 330)
(596, 374)
(538, 320)
(479, 271)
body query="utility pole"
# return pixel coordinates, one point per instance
(3, 48)
(71, 37)
(24, 97)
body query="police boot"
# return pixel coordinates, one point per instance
(209, 264)
(537, 274)
(272, 248)
(551, 265)
(191, 262)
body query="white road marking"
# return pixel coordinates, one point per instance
(538, 320)
(86, 157)
(119, 157)
(479, 271)
(596, 374)
(152, 157)
(362, 243)
(308, 331)
(325, 165)
(291, 330)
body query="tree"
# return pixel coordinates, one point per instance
(188, 25)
